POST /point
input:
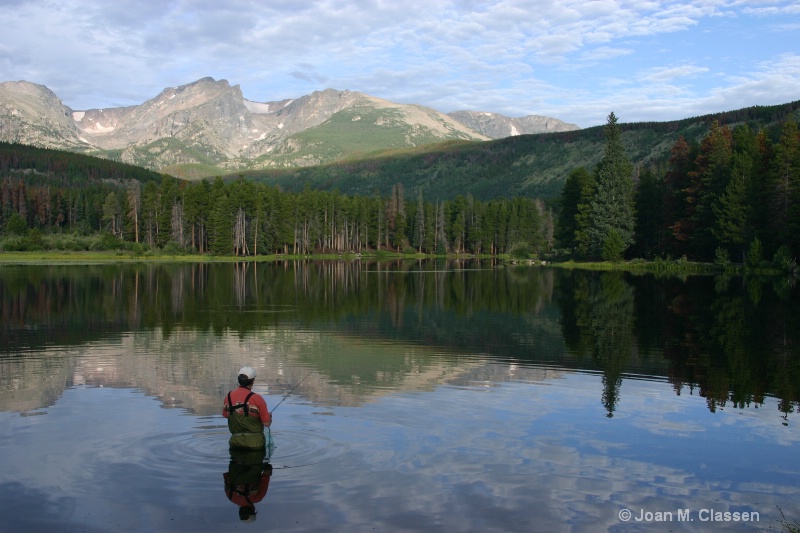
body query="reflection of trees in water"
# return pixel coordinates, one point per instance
(733, 340)
(725, 339)
(603, 319)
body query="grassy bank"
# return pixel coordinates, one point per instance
(664, 266)
(120, 256)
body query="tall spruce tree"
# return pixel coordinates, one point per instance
(649, 214)
(786, 186)
(220, 226)
(708, 183)
(677, 210)
(612, 210)
(577, 190)
(419, 224)
(732, 211)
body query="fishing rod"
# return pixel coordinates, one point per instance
(291, 391)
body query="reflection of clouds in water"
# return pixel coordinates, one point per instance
(537, 475)
(516, 457)
(658, 409)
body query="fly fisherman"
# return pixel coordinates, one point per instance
(247, 478)
(247, 414)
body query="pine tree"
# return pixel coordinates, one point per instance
(150, 212)
(133, 195)
(732, 211)
(786, 187)
(167, 198)
(760, 193)
(111, 212)
(612, 207)
(677, 210)
(429, 237)
(400, 223)
(576, 192)
(708, 182)
(649, 214)
(419, 224)
(220, 231)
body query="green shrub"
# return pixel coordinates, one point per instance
(755, 254)
(16, 225)
(171, 248)
(519, 250)
(783, 259)
(613, 247)
(136, 247)
(71, 242)
(722, 258)
(109, 242)
(35, 240)
(14, 243)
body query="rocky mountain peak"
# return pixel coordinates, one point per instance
(209, 121)
(498, 126)
(32, 113)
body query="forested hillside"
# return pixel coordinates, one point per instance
(719, 191)
(57, 191)
(53, 199)
(534, 166)
(734, 197)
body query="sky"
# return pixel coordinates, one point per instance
(574, 60)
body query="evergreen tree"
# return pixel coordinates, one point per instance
(577, 191)
(401, 224)
(150, 212)
(649, 214)
(419, 224)
(111, 214)
(195, 209)
(132, 207)
(612, 206)
(786, 187)
(475, 229)
(708, 182)
(760, 192)
(220, 231)
(429, 238)
(167, 198)
(732, 211)
(678, 210)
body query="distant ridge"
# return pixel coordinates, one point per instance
(208, 127)
(498, 126)
(523, 165)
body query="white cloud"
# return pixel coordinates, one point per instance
(516, 57)
(662, 74)
(605, 52)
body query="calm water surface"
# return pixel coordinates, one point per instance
(432, 396)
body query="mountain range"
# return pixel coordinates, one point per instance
(207, 127)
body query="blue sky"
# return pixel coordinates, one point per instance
(573, 60)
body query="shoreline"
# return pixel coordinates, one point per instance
(110, 257)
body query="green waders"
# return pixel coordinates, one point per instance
(246, 431)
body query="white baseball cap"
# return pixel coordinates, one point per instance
(248, 371)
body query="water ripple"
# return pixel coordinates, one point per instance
(303, 447)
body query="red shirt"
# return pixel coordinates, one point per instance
(258, 407)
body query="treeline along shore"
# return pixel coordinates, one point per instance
(731, 197)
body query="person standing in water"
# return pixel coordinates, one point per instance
(247, 478)
(247, 413)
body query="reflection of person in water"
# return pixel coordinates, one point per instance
(248, 475)
(247, 481)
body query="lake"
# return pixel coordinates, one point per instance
(411, 396)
